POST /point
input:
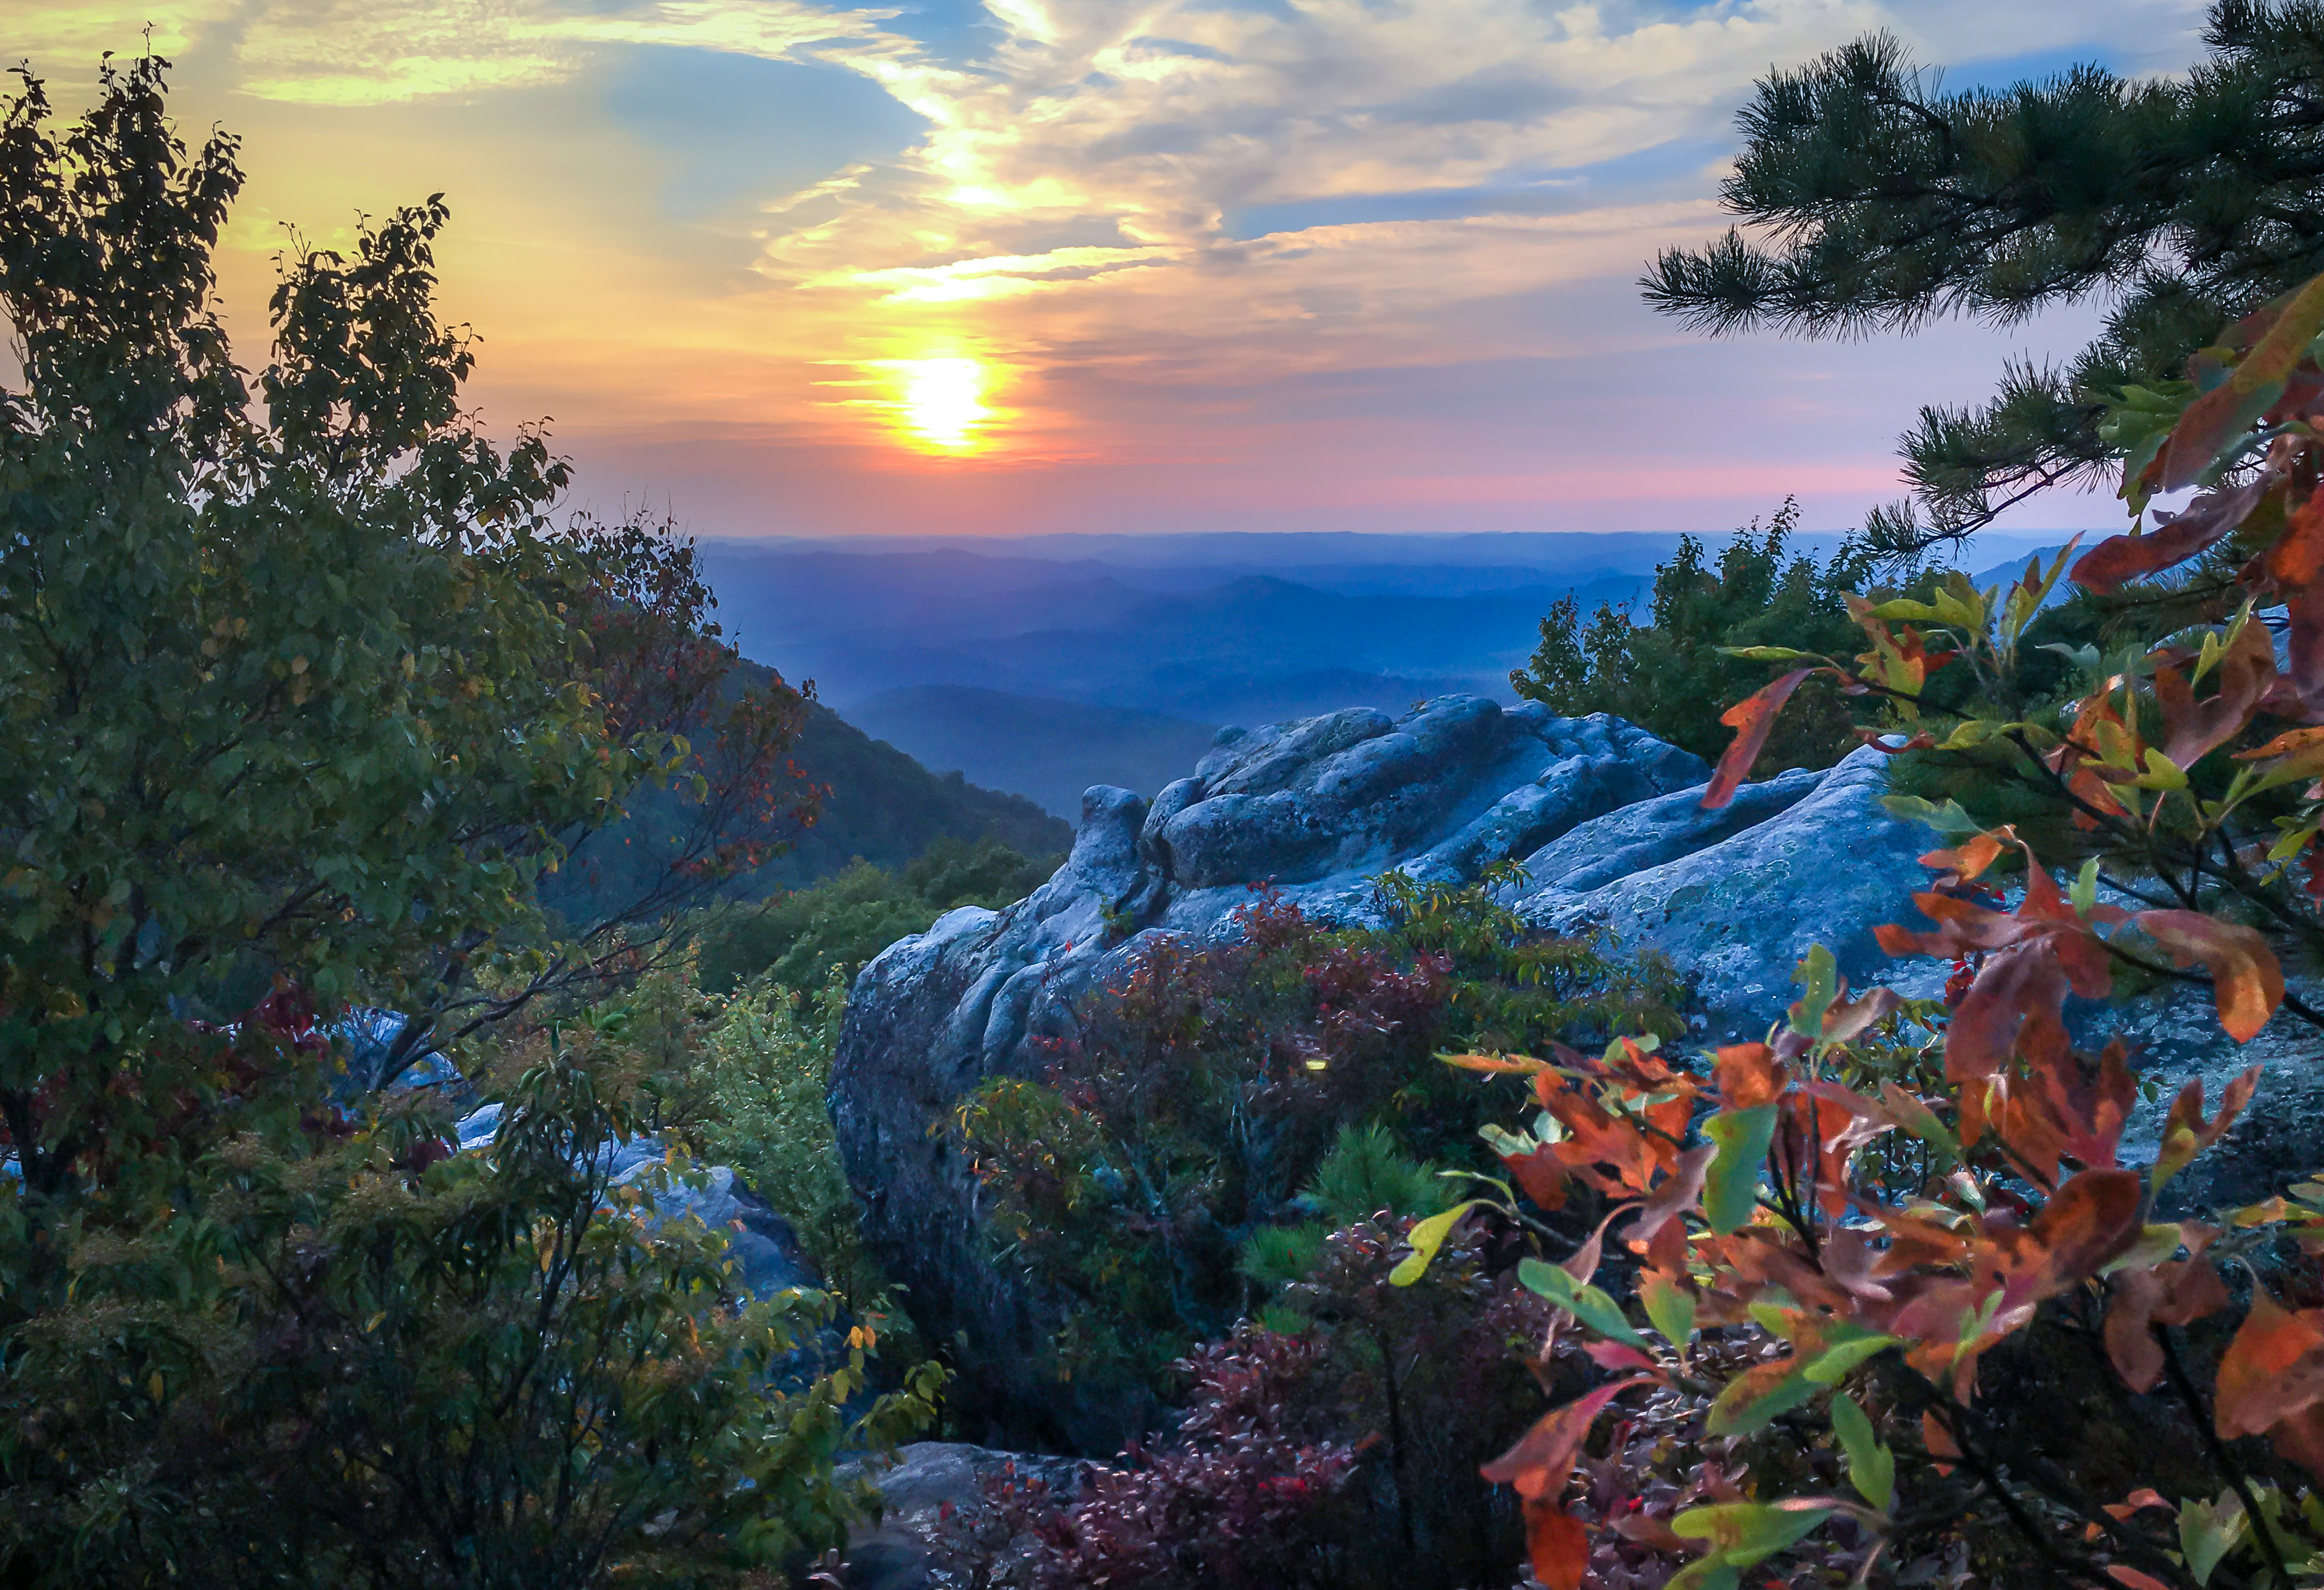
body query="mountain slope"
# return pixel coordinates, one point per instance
(887, 808)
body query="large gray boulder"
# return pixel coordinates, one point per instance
(1605, 818)
(1738, 897)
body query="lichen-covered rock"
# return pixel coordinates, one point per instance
(1608, 824)
(1738, 897)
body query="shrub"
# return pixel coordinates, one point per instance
(805, 938)
(1675, 673)
(1248, 1495)
(1204, 1087)
(353, 1358)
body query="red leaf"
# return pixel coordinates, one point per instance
(2208, 521)
(1558, 1546)
(2176, 1293)
(2294, 567)
(2214, 419)
(1751, 719)
(1537, 1467)
(1615, 1356)
(1674, 1196)
(2016, 1002)
(2246, 980)
(2192, 729)
(2093, 1219)
(2131, 1576)
(1542, 1175)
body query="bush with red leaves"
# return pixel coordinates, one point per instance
(1250, 1493)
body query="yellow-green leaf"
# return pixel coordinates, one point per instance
(1427, 1238)
(1670, 1306)
(1871, 1467)
(1731, 1189)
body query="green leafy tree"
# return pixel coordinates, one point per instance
(1875, 200)
(302, 696)
(357, 1361)
(1674, 675)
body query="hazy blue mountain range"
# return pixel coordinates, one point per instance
(1050, 751)
(1218, 646)
(1040, 665)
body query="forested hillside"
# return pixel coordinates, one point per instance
(877, 804)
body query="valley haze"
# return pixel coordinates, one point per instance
(1043, 665)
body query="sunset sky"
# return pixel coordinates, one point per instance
(1036, 265)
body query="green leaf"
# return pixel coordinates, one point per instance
(1743, 1533)
(1428, 1236)
(2084, 894)
(1731, 1189)
(1765, 654)
(1842, 1359)
(1818, 977)
(1950, 819)
(1585, 1302)
(1671, 1306)
(1871, 1467)
(2209, 1530)
(1707, 1572)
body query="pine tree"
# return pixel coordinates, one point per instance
(1875, 201)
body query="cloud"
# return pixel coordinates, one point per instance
(1159, 122)
(353, 52)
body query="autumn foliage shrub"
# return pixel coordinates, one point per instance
(1204, 1087)
(1250, 1493)
(1899, 1255)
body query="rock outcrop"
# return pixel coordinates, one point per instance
(1605, 818)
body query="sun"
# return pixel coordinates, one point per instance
(943, 401)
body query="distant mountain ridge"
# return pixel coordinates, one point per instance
(1242, 648)
(976, 654)
(879, 805)
(1051, 750)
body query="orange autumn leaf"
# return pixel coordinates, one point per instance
(2272, 1371)
(1752, 719)
(1749, 1075)
(1557, 1545)
(2185, 1132)
(1538, 1465)
(2246, 981)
